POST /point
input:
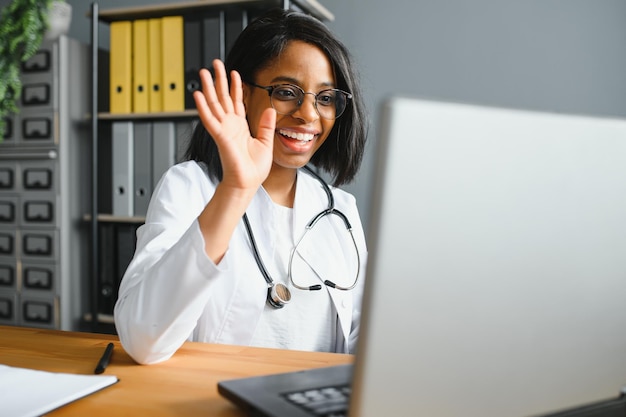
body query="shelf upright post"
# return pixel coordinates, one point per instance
(94, 168)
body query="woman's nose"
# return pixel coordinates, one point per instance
(307, 110)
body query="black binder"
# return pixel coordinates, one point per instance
(193, 58)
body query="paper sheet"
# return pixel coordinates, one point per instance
(26, 392)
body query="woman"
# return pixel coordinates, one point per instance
(224, 246)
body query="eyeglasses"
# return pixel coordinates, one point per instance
(287, 98)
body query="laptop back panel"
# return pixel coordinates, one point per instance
(497, 269)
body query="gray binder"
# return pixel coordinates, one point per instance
(163, 149)
(122, 144)
(142, 167)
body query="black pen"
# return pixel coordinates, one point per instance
(104, 360)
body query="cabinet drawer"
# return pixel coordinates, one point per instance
(8, 242)
(38, 311)
(39, 245)
(8, 308)
(8, 210)
(39, 278)
(38, 209)
(37, 128)
(8, 176)
(8, 273)
(38, 176)
(37, 94)
(8, 135)
(40, 62)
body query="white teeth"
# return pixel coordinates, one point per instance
(304, 137)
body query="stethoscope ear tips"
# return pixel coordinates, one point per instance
(278, 295)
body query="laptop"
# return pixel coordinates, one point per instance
(496, 275)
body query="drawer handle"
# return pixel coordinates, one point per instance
(51, 154)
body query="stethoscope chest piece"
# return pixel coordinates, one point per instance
(278, 295)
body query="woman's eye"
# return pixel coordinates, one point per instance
(326, 98)
(285, 93)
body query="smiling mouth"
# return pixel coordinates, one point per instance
(302, 137)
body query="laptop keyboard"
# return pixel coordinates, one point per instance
(323, 402)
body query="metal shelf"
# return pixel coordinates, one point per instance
(190, 113)
(190, 7)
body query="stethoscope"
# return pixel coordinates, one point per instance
(278, 295)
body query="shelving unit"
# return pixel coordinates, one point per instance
(244, 10)
(312, 7)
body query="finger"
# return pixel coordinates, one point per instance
(267, 126)
(209, 95)
(221, 86)
(236, 93)
(210, 123)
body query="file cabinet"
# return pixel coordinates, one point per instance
(44, 192)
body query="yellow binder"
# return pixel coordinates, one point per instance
(155, 95)
(120, 82)
(140, 66)
(172, 56)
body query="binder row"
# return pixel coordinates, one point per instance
(147, 65)
(154, 62)
(141, 152)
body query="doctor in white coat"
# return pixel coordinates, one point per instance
(244, 244)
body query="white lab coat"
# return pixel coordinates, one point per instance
(172, 292)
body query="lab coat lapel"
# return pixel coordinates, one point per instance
(310, 200)
(261, 216)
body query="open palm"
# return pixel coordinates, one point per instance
(246, 160)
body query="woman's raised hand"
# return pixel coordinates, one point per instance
(246, 160)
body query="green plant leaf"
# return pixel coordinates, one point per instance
(23, 24)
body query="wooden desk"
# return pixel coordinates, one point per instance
(185, 385)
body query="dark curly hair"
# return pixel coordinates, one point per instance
(262, 41)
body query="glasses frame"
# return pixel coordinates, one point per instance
(270, 90)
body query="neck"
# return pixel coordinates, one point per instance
(280, 185)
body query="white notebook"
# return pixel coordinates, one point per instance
(27, 392)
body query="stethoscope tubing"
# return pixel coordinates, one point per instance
(306, 230)
(279, 297)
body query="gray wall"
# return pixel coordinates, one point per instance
(554, 55)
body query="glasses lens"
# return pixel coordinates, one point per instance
(286, 98)
(330, 104)
(326, 102)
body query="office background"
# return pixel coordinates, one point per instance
(552, 55)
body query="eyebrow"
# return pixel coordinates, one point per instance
(290, 80)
